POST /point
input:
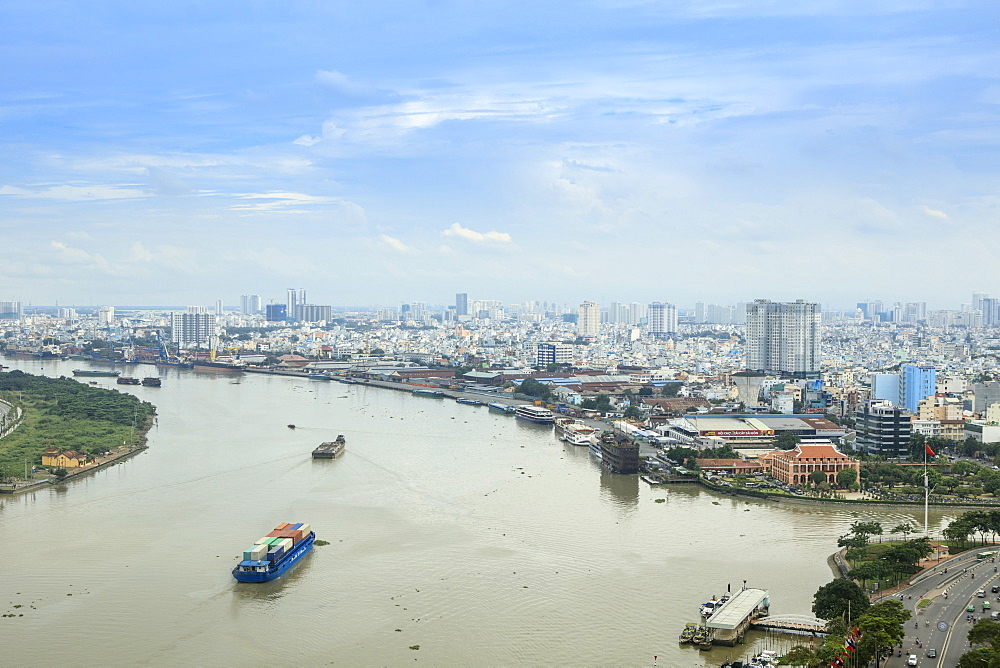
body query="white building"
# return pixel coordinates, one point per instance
(105, 315)
(195, 327)
(783, 338)
(589, 323)
(662, 319)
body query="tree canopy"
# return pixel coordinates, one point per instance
(841, 598)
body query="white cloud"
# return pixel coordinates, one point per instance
(393, 243)
(935, 213)
(457, 230)
(76, 193)
(344, 85)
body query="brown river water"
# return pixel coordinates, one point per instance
(458, 537)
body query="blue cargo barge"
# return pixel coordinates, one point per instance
(266, 570)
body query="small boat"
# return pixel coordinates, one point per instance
(152, 381)
(291, 426)
(687, 635)
(127, 380)
(434, 394)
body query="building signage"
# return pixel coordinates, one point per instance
(739, 432)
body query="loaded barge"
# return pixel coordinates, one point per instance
(275, 553)
(330, 449)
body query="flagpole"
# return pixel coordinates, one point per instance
(927, 494)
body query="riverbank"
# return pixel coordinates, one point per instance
(118, 455)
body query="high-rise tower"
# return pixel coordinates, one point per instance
(783, 338)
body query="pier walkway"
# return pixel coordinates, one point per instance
(800, 623)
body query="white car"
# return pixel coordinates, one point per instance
(911, 660)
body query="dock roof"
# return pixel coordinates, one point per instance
(735, 611)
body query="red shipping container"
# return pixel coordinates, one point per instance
(294, 534)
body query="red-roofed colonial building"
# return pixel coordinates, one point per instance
(794, 466)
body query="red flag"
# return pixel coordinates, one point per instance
(928, 450)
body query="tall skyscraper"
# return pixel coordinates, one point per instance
(783, 338)
(589, 322)
(461, 303)
(251, 304)
(916, 384)
(11, 310)
(662, 319)
(290, 302)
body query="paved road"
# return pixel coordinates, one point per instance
(942, 624)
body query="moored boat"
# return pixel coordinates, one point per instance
(687, 635)
(468, 402)
(434, 394)
(152, 381)
(127, 380)
(275, 553)
(95, 374)
(536, 414)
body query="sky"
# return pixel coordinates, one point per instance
(611, 150)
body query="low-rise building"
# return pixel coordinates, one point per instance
(794, 467)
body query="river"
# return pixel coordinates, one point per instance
(457, 537)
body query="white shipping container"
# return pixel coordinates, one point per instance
(266, 540)
(256, 553)
(286, 543)
(305, 529)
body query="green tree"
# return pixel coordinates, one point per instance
(846, 478)
(881, 626)
(800, 655)
(533, 388)
(817, 477)
(841, 598)
(671, 389)
(985, 633)
(903, 528)
(786, 441)
(633, 412)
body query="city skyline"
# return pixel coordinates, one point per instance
(715, 152)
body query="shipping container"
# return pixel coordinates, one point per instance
(266, 540)
(283, 525)
(294, 526)
(306, 529)
(255, 553)
(286, 544)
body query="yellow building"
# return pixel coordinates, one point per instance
(70, 459)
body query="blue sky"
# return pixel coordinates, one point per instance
(378, 153)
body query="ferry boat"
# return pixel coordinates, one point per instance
(94, 374)
(578, 433)
(503, 408)
(468, 402)
(127, 380)
(152, 381)
(275, 553)
(330, 449)
(535, 414)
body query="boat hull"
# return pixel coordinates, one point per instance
(277, 568)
